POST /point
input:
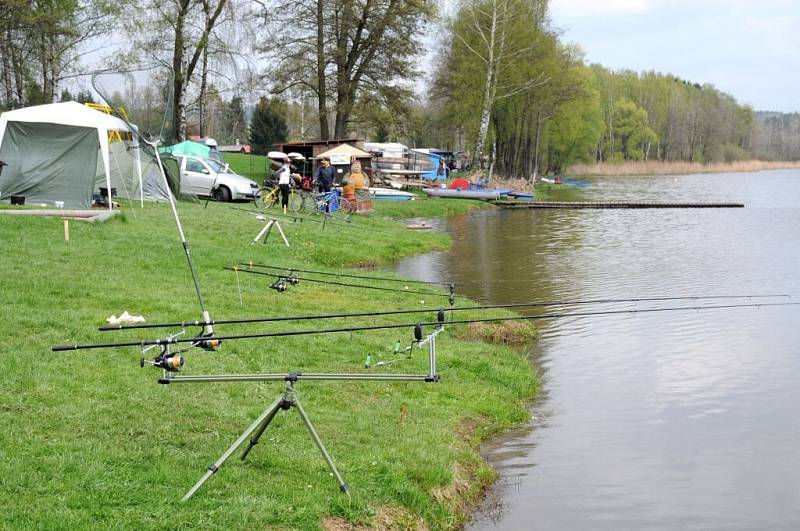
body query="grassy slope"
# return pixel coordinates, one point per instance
(90, 440)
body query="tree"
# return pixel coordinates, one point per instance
(85, 96)
(500, 34)
(177, 33)
(343, 49)
(42, 42)
(268, 126)
(233, 123)
(633, 134)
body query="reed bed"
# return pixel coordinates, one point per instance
(655, 167)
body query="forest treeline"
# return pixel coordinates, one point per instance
(501, 84)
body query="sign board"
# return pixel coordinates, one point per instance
(340, 159)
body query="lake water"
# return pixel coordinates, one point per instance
(671, 420)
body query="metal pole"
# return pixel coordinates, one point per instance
(432, 355)
(282, 377)
(262, 429)
(219, 462)
(318, 442)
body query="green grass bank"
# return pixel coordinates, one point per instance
(90, 440)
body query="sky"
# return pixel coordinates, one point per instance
(749, 49)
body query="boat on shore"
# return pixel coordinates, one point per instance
(486, 194)
(389, 194)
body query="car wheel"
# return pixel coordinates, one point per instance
(222, 194)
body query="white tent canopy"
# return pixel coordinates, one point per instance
(50, 150)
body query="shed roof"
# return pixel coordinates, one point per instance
(346, 150)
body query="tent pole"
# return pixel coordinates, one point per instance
(103, 134)
(139, 169)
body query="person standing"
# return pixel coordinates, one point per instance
(284, 181)
(355, 190)
(324, 176)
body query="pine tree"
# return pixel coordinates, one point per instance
(268, 125)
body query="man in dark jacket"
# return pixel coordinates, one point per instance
(324, 176)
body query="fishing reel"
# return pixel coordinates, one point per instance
(291, 279)
(209, 344)
(283, 282)
(279, 286)
(165, 360)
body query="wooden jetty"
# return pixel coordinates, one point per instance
(611, 204)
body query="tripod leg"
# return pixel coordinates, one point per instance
(270, 411)
(282, 234)
(342, 485)
(269, 229)
(260, 431)
(262, 232)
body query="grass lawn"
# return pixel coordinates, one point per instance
(251, 166)
(90, 440)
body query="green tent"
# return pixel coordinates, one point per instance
(193, 149)
(188, 147)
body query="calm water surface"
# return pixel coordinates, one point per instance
(672, 420)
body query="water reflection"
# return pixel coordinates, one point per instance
(650, 421)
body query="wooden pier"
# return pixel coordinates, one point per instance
(611, 204)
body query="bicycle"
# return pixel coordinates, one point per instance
(331, 204)
(267, 197)
(270, 196)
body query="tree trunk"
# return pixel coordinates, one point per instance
(8, 83)
(203, 87)
(488, 89)
(178, 81)
(322, 92)
(536, 147)
(344, 107)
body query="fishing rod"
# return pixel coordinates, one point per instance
(416, 326)
(98, 86)
(293, 279)
(385, 279)
(185, 324)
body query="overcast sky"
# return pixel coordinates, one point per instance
(747, 48)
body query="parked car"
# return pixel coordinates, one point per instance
(210, 178)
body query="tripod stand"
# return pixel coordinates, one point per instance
(286, 401)
(267, 229)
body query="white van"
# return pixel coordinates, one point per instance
(210, 178)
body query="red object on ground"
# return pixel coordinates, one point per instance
(459, 184)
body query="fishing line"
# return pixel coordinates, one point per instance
(218, 339)
(334, 283)
(184, 324)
